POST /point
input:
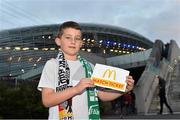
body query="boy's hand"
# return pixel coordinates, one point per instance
(83, 84)
(130, 83)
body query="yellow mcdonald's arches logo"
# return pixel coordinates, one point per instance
(109, 73)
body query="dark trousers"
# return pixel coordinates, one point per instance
(163, 100)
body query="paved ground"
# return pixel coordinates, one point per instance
(152, 116)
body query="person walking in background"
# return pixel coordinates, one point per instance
(162, 95)
(127, 98)
(65, 83)
(133, 102)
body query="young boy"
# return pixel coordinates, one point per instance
(65, 81)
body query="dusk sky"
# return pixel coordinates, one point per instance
(154, 19)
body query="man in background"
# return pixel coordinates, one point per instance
(162, 95)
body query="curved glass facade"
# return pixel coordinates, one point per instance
(25, 49)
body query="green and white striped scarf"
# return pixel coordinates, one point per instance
(65, 110)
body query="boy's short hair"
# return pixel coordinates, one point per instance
(68, 24)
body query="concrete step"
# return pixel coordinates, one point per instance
(175, 115)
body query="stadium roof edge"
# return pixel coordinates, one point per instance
(84, 24)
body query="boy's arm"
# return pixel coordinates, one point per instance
(111, 95)
(51, 98)
(108, 95)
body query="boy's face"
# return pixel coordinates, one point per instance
(70, 42)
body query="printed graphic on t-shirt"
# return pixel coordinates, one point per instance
(65, 110)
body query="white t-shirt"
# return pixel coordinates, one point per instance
(49, 79)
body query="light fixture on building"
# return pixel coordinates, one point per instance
(10, 59)
(36, 48)
(89, 50)
(17, 48)
(7, 48)
(100, 41)
(26, 48)
(38, 59)
(34, 65)
(49, 37)
(22, 70)
(83, 49)
(19, 58)
(111, 50)
(104, 51)
(115, 50)
(45, 49)
(52, 48)
(30, 59)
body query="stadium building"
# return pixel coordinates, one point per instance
(27, 48)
